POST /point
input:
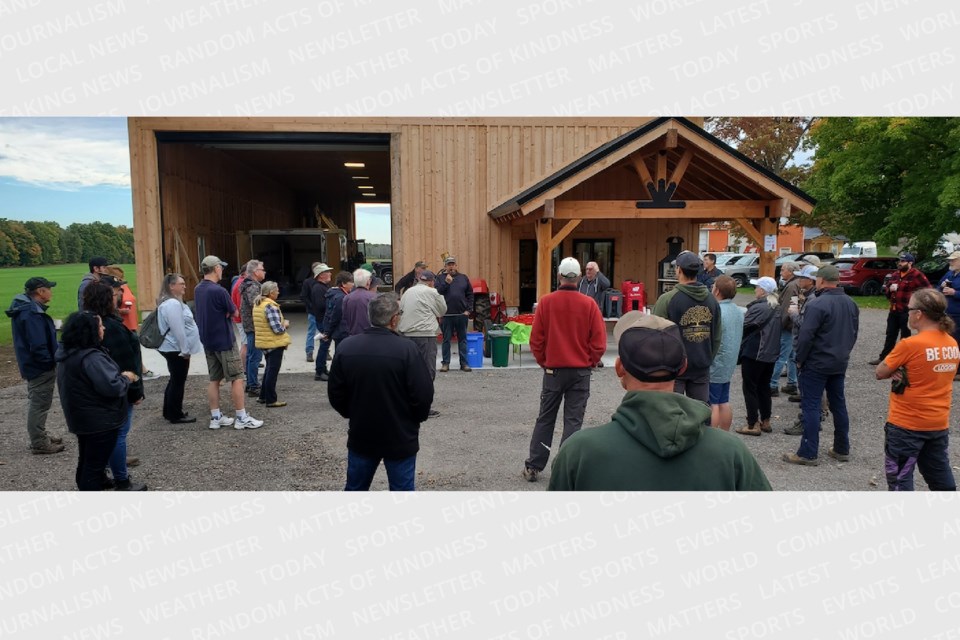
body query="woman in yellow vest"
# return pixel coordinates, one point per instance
(271, 336)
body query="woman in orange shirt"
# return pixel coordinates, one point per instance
(127, 307)
(922, 368)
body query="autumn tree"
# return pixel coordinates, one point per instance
(776, 144)
(895, 180)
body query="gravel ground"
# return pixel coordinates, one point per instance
(479, 441)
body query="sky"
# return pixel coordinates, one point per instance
(65, 170)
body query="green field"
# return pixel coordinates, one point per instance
(64, 302)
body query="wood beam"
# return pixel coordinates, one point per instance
(544, 233)
(750, 230)
(670, 140)
(563, 233)
(641, 168)
(768, 226)
(662, 166)
(681, 167)
(627, 210)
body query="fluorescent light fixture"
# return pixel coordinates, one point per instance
(365, 186)
(369, 195)
(360, 177)
(354, 165)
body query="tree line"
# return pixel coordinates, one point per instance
(28, 244)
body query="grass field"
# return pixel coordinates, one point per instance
(64, 302)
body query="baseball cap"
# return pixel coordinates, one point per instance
(421, 264)
(811, 259)
(38, 283)
(113, 281)
(907, 257)
(766, 283)
(426, 275)
(449, 260)
(210, 262)
(320, 268)
(809, 271)
(98, 261)
(649, 345)
(954, 255)
(569, 268)
(829, 273)
(688, 260)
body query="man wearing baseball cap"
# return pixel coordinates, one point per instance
(457, 292)
(35, 343)
(411, 278)
(567, 339)
(98, 265)
(656, 440)
(825, 338)
(694, 309)
(950, 287)
(421, 308)
(214, 313)
(904, 281)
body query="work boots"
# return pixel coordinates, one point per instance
(750, 430)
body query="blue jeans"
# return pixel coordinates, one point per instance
(253, 362)
(448, 325)
(323, 349)
(268, 390)
(118, 459)
(311, 334)
(787, 357)
(401, 474)
(812, 386)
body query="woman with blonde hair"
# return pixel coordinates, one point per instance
(270, 336)
(181, 340)
(922, 368)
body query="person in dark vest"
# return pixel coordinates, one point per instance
(595, 284)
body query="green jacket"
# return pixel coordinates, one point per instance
(656, 441)
(697, 313)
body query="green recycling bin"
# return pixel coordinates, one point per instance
(500, 347)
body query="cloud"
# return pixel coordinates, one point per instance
(65, 153)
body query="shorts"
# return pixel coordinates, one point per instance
(224, 365)
(719, 393)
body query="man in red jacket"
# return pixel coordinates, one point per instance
(568, 339)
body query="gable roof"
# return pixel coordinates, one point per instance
(623, 146)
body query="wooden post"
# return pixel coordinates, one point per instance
(768, 227)
(544, 235)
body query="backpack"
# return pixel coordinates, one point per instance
(150, 336)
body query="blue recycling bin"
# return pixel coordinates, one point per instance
(475, 350)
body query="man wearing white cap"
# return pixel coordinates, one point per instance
(567, 339)
(759, 350)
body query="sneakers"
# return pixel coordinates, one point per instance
(50, 447)
(309, 357)
(133, 461)
(277, 404)
(55, 439)
(444, 367)
(466, 367)
(530, 475)
(774, 392)
(130, 485)
(793, 458)
(842, 457)
(150, 375)
(433, 413)
(322, 377)
(224, 421)
(249, 422)
(875, 362)
(790, 389)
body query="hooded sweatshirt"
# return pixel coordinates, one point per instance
(656, 441)
(694, 309)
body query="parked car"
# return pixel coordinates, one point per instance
(864, 275)
(728, 258)
(743, 269)
(795, 257)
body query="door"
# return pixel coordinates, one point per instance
(599, 251)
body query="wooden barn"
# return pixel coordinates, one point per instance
(508, 196)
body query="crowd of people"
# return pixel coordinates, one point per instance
(676, 363)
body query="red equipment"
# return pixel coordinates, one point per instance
(634, 296)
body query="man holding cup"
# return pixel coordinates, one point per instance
(904, 281)
(457, 291)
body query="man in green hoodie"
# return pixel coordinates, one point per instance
(691, 307)
(657, 439)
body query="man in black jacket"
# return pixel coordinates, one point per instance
(35, 343)
(379, 382)
(411, 278)
(457, 291)
(317, 306)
